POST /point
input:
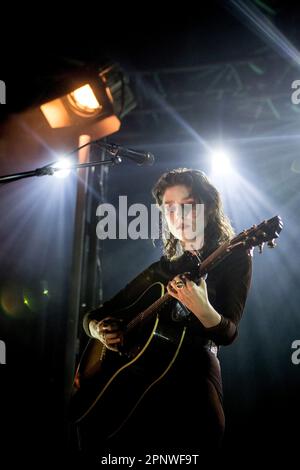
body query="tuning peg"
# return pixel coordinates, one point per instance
(271, 243)
(261, 247)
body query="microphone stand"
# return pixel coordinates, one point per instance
(74, 289)
(50, 170)
(74, 304)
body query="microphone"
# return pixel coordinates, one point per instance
(140, 157)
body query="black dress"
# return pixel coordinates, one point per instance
(184, 411)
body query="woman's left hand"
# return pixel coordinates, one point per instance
(195, 298)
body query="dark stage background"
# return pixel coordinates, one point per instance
(218, 76)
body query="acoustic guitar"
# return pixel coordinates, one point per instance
(151, 344)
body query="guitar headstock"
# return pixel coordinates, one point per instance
(257, 235)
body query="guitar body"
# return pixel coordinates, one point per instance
(109, 386)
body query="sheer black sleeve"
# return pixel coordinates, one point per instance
(233, 281)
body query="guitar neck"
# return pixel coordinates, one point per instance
(207, 265)
(219, 255)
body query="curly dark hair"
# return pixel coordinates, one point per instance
(218, 229)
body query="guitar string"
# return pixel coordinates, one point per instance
(158, 302)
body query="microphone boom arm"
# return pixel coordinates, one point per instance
(117, 152)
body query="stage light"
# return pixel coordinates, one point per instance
(64, 165)
(84, 100)
(70, 109)
(100, 99)
(221, 162)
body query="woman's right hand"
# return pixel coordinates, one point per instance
(108, 331)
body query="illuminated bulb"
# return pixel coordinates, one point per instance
(221, 162)
(84, 99)
(64, 165)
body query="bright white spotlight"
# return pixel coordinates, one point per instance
(221, 162)
(64, 164)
